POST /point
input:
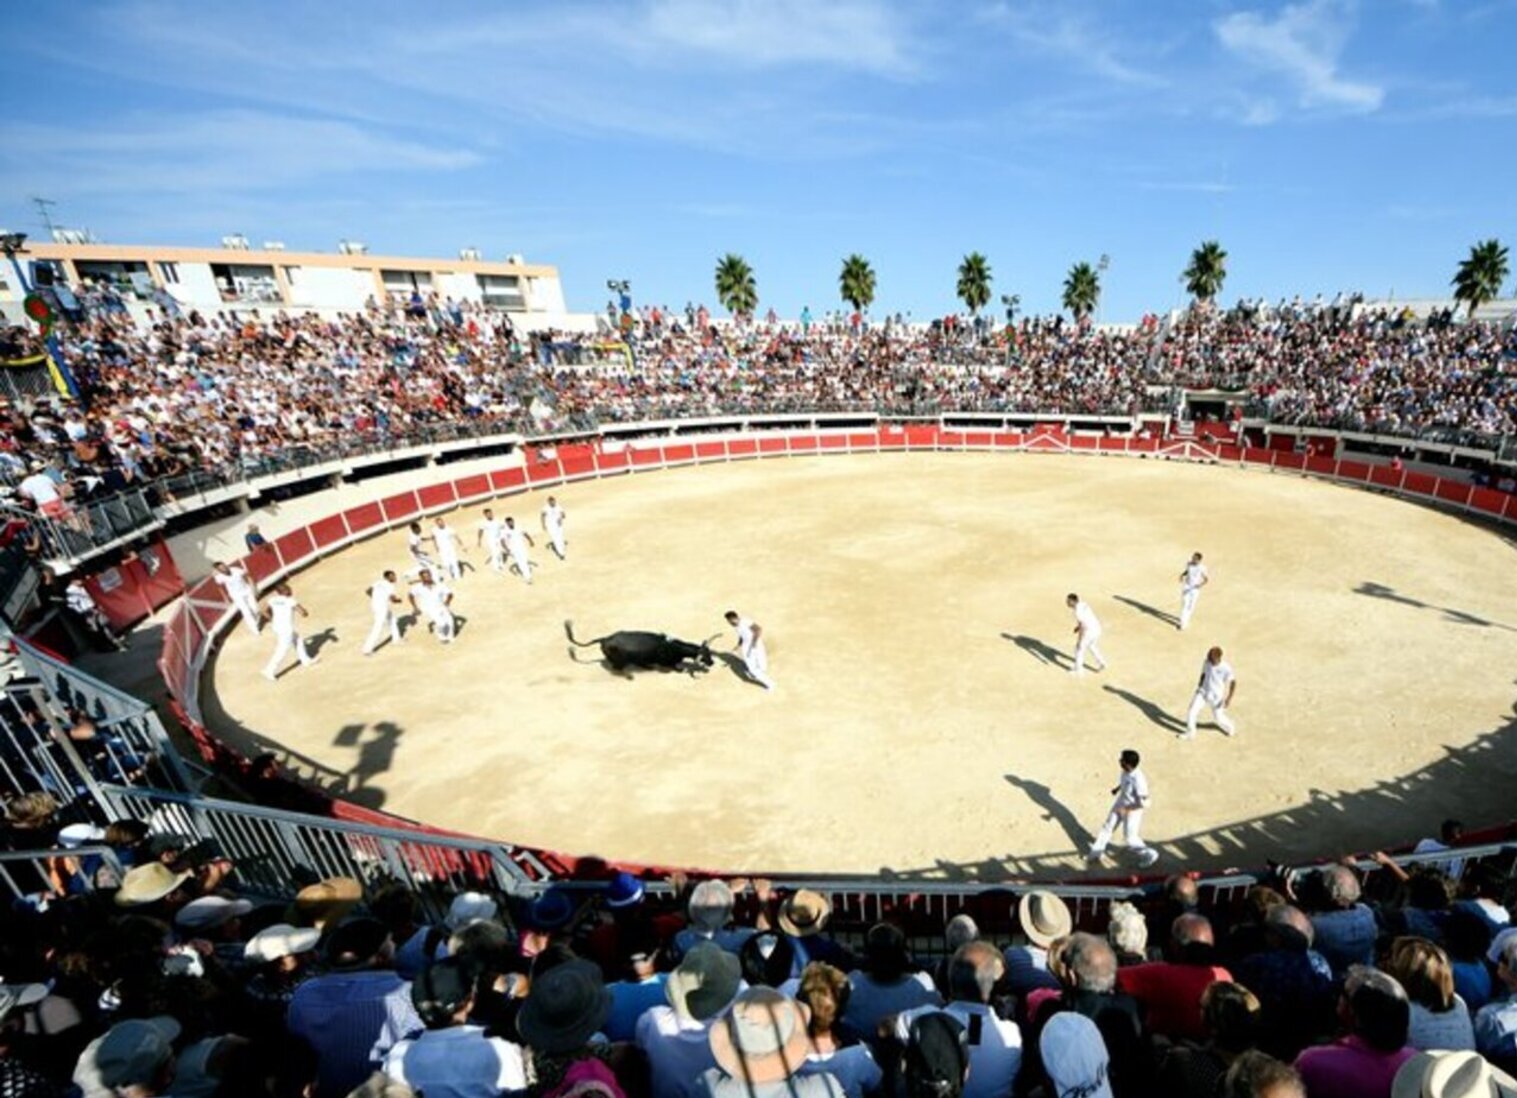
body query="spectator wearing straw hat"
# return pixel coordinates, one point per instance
(889, 983)
(154, 888)
(1043, 917)
(1452, 1074)
(760, 1047)
(279, 958)
(451, 1058)
(802, 916)
(995, 1044)
(675, 1038)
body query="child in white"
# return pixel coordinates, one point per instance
(553, 525)
(516, 542)
(1088, 630)
(238, 585)
(382, 600)
(446, 540)
(1214, 689)
(1192, 580)
(281, 612)
(750, 645)
(431, 599)
(1127, 810)
(490, 529)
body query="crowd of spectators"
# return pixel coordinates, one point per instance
(186, 393)
(150, 972)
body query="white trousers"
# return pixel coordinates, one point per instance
(444, 626)
(497, 557)
(1088, 643)
(419, 563)
(1188, 598)
(523, 565)
(756, 660)
(247, 606)
(451, 566)
(1131, 825)
(382, 622)
(556, 539)
(1218, 713)
(283, 642)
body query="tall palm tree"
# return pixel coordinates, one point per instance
(1479, 277)
(974, 282)
(1082, 290)
(856, 283)
(1207, 271)
(736, 288)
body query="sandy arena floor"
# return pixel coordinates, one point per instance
(923, 723)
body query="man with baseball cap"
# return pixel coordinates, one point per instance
(675, 1038)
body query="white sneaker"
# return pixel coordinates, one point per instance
(271, 676)
(1187, 735)
(1148, 858)
(1095, 856)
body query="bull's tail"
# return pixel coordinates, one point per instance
(569, 632)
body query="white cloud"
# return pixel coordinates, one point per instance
(1057, 32)
(1303, 43)
(848, 34)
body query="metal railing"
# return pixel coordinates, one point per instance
(37, 874)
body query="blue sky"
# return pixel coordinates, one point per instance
(1327, 143)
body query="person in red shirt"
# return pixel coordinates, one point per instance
(1170, 990)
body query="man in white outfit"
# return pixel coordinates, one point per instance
(416, 545)
(382, 602)
(1088, 632)
(1214, 689)
(238, 585)
(516, 542)
(1192, 580)
(1127, 810)
(281, 613)
(433, 600)
(490, 529)
(446, 540)
(553, 525)
(750, 645)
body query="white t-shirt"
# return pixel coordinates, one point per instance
(413, 543)
(1195, 576)
(282, 613)
(1132, 789)
(745, 638)
(491, 529)
(511, 537)
(234, 582)
(78, 598)
(39, 488)
(433, 600)
(553, 516)
(447, 540)
(1215, 680)
(1085, 617)
(379, 596)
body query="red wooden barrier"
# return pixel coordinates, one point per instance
(1453, 491)
(540, 471)
(1084, 442)
(1256, 456)
(834, 442)
(471, 487)
(1489, 500)
(742, 447)
(1422, 484)
(295, 546)
(1385, 476)
(365, 516)
(1354, 470)
(1010, 439)
(1142, 445)
(771, 445)
(951, 438)
(400, 506)
(710, 451)
(1322, 466)
(644, 458)
(919, 435)
(802, 443)
(978, 438)
(328, 531)
(436, 495)
(863, 440)
(578, 464)
(679, 451)
(503, 480)
(612, 460)
(1287, 460)
(1112, 445)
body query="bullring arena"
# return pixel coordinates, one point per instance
(923, 724)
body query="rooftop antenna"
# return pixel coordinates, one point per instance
(42, 205)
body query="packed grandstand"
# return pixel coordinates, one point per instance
(148, 953)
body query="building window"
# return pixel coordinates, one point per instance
(501, 292)
(289, 274)
(170, 272)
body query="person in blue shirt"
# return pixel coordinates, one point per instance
(453, 1058)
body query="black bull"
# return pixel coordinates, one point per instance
(626, 649)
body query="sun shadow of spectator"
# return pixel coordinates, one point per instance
(1461, 617)
(1152, 611)
(315, 642)
(1038, 650)
(1153, 712)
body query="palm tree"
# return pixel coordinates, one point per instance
(1207, 271)
(974, 282)
(1082, 289)
(735, 285)
(856, 283)
(1479, 277)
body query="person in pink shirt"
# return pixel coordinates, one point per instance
(1377, 1014)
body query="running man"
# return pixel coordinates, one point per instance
(490, 529)
(553, 518)
(1088, 630)
(750, 645)
(1215, 690)
(382, 602)
(415, 542)
(516, 542)
(1131, 794)
(446, 540)
(434, 601)
(238, 585)
(1192, 580)
(280, 613)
